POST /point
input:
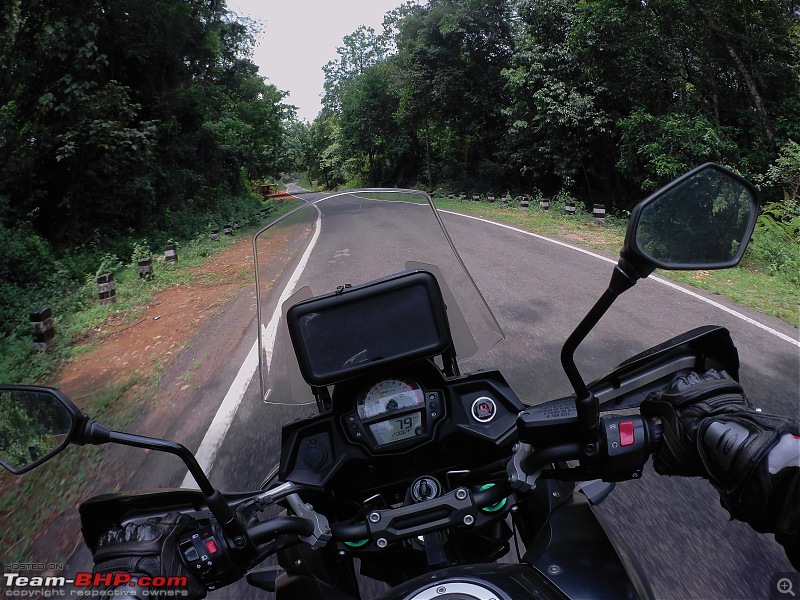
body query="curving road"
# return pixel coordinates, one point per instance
(674, 526)
(539, 291)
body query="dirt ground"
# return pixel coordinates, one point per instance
(166, 326)
(132, 360)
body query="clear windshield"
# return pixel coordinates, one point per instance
(322, 242)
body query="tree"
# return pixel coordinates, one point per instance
(451, 55)
(554, 118)
(605, 99)
(360, 50)
(114, 114)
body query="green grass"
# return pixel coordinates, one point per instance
(752, 288)
(578, 228)
(64, 481)
(78, 314)
(67, 479)
(748, 284)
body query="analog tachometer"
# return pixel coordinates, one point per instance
(388, 395)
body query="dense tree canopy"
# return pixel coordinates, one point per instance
(122, 120)
(605, 99)
(126, 119)
(112, 113)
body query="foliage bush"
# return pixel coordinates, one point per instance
(776, 241)
(34, 273)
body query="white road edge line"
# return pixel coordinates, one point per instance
(213, 438)
(730, 311)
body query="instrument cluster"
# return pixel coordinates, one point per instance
(393, 414)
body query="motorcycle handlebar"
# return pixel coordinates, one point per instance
(646, 442)
(620, 458)
(351, 532)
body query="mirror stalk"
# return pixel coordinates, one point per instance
(96, 434)
(624, 276)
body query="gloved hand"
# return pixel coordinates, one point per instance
(753, 459)
(148, 549)
(681, 408)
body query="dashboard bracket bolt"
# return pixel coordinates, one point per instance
(382, 543)
(461, 494)
(374, 517)
(469, 519)
(553, 569)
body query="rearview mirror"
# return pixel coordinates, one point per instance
(36, 423)
(702, 220)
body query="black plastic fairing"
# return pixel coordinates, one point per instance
(699, 349)
(589, 563)
(320, 451)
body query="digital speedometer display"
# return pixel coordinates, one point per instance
(397, 429)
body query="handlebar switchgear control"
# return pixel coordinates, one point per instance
(626, 445)
(203, 551)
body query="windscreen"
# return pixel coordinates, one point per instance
(323, 242)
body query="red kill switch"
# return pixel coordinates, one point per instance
(626, 433)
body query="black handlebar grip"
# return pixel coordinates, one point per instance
(655, 433)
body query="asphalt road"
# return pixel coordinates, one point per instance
(539, 291)
(674, 526)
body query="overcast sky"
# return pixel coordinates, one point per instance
(301, 36)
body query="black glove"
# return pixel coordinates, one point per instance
(681, 408)
(711, 430)
(148, 549)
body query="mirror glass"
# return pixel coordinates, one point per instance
(34, 425)
(705, 221)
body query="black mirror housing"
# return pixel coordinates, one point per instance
(36, 423)
(702, 220)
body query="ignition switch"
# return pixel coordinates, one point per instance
(425, 488)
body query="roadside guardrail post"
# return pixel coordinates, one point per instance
(107, 291)
(171, 253)
(42, 328)
(146, 267)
